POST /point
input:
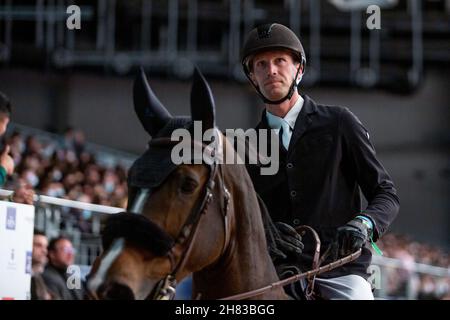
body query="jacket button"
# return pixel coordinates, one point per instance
(296, 222)
(289, 165)
(293, 193)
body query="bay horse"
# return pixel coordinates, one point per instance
(202, 219)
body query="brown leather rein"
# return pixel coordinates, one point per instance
(309, 275)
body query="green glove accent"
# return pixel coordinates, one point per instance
(375, 247)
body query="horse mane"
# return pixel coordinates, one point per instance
(270, 230)
(255, 239)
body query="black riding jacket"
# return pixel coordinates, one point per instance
(320, 178)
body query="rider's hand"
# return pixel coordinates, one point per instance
(288, 241)
(352, 236)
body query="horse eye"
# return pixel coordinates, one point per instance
(188, 185)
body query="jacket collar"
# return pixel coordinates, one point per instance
(304, 120)
(276, 122)
(302, 123)
(309, 107)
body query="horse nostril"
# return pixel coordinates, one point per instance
(116, 291)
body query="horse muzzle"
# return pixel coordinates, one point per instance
(115, 291)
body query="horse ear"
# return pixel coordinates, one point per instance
(150, 111)
(202, 102)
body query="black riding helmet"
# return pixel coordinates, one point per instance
(272, 36)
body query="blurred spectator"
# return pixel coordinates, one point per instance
(66, 170)
(6, 162)
(74, 140)
(403, 282)
(17, 146)
(39, 290)
(22, 192)
(61, 255)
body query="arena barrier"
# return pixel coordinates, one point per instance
(79, 221)
(400, 279)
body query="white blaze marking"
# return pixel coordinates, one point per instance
(105, 264)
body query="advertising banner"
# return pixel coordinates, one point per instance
(16, 242)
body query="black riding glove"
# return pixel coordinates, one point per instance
(288, 241)
(352, 236)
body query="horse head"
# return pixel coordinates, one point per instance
(200, 218)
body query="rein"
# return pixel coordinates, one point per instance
(310, 275)
(294, 278)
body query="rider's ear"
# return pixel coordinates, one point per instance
(202, 102)
(150, 111)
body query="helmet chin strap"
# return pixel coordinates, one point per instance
(288, 96)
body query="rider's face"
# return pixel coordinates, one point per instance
(273, 72)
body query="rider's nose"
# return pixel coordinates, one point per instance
(271, 69)
(115, 291)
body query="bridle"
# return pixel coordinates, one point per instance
(166, 287)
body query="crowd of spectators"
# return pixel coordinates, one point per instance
(404, 282)
(65, 169)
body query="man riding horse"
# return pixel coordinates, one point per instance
(325, 158)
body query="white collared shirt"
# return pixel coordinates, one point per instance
(288, 122)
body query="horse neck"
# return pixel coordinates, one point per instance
(246, 264)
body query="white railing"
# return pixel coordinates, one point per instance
(413, 266)
(68, 203)
(408, 274)
(49, 216)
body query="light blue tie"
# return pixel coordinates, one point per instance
(286, 133)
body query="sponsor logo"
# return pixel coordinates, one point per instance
(10, 218)
(12, 264)
(28, 262)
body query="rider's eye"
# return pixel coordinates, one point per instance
(188, 185)
(260, 64)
